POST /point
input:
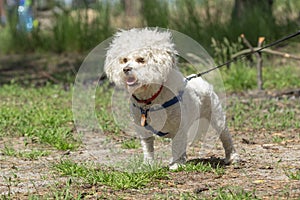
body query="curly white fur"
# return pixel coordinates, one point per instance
(143, 60)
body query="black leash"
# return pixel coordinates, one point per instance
(245, 55)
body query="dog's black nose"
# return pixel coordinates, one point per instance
(127, 69)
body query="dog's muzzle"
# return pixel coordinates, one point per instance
(127, 70)
(130, 78)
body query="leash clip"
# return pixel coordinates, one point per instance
(144, 117)
(143, 120)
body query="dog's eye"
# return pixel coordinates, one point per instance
(140, 60)
(124, 60)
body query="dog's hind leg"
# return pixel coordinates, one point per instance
(230, 153)
(218, 122)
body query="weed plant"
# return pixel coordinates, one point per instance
(294, 175)
(131, 144)
(26, 154)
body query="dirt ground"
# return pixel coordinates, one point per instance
(263, 169)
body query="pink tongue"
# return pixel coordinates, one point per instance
(131, 81)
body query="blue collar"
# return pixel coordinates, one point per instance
(144, 113)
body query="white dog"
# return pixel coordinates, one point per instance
(163, 101)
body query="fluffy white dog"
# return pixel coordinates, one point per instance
(163, 101)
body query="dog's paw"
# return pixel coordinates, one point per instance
(234, 158)
(175, 166)
(148, 158)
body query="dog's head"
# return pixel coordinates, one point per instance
(139, 57)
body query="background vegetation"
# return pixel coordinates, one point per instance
(83, 27)
(216, 25)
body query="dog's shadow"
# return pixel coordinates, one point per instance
(212, 161)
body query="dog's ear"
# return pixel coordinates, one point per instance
(173, 56)
(110, 69)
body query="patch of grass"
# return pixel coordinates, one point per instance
(201, 167)
(223, 193)
(239, 77)
(9, 181)
(278, 139)
(27, 154)
(270, 114)
(281, 77)
(294, 175)
(171, 195)
(43, 113)
(104, 110)
(233, 193)
(130, 144)
(111, 178)
(65, 192)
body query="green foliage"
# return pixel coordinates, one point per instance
(104, 110)
(281, 77)
(27, 154)
(186, 19)
(204, 20)
(72, 30)
(42, 113)
(158, 15)
(114, 179)
(278, 139)
(223, 50)
(239, 77)
(222, 193)
(263, 114)
(294, 175)
(81, 29)
(130, 144)
(231, 193)
(181, 196)
(65, 192)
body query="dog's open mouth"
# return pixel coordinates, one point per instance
(131, 80)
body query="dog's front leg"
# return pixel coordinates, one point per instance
(179, 144)
(148, 149)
